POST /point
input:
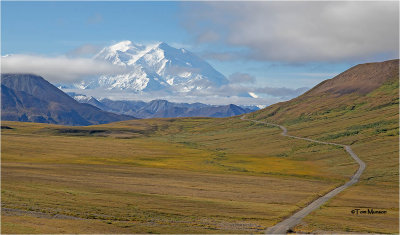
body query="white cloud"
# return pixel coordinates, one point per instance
(298, 32)
(57, 69)
(226, 94)
(238, 90)
(214, 99)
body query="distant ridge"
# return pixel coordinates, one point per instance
(164, 108)
(30, 98)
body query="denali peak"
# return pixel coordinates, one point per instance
(155, 67)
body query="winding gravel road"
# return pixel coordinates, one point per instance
(284, 226)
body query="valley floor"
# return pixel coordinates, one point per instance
(143, 200)
(189, 175)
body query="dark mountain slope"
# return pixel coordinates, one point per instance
(27, 97)
(218, 111)
(165, 109)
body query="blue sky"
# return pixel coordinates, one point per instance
(313, 42)
(58, 27)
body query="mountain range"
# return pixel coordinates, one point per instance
(30, 98)
(163, 108)
(156, 67)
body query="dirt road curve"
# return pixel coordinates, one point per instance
(284, 226)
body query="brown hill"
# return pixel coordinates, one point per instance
(360, 79)
(362, 87)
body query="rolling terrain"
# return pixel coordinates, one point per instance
(206, 175)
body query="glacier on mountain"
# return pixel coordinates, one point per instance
(154, 67)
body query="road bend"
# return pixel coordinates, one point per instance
(287, 224)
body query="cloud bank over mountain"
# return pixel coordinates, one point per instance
(59, 69)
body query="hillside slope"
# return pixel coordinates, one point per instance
(30, 98)
(359, 107)
(363, 87)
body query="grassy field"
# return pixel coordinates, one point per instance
(191, 175)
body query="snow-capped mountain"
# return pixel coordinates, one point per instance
(155, 67)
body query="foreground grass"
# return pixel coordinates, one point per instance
(192, 175)
(159, 200)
